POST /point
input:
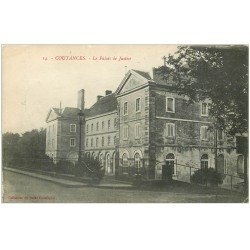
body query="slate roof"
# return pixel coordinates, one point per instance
(106, 104)
(143, 74)
(69, 112)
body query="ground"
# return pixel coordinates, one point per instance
(22, 188)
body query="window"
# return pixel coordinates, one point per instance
(137, 130)
(91, 143)
(102, 125)
(108, 124)
(138, 105)
(92, 127)
(137, 161)
(204, 109)
(97, 142)
(204, 161)
(87, 128)
(87, 142)
(103, 141)
(204, 133)
(114, 139)
(114, 122)
(97, 126)
(125, 108)
(170, 163)
(170, 129)
(101, 158)
(52, 144)
(125, 132)
(72, 128)
(108, 164)
(170, 105)
(72, 142)
(220, 134)
(53, 128)
(108, 140)
(124, 163)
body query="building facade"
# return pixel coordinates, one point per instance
(145, 126)
(100, 132)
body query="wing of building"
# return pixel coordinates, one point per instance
(146, 127)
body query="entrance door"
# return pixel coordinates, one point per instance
(168, 169)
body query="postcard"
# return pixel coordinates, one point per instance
(124, 123)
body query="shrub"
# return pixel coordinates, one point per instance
(64, 167)
(207, 176)
(90, 167)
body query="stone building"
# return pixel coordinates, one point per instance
(62, 132)
(101, 129)
(144, 126)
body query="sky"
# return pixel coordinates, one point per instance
(35, 78)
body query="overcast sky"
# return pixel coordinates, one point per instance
(32, 84)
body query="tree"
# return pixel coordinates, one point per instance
(25, 150)
(32, 144)
(10, 148)
(219, 73)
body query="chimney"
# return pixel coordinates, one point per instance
(99, 97)
(80, 99)
(108, 92)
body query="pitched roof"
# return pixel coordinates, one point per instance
(56, 110)
(143, 74)
(106, 104)
(70, 112)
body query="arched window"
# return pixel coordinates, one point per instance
(204, 161)
(170, 162)
(108, 165)
(137, 161)
(125, 163)
(101, 159)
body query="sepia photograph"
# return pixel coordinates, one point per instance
(125, 123)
